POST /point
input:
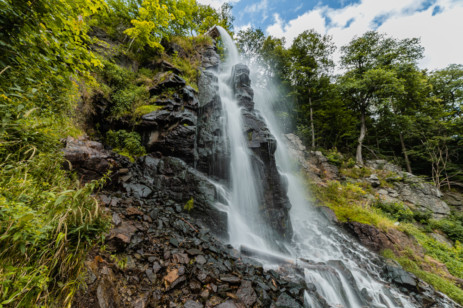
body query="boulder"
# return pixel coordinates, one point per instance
(88, 158)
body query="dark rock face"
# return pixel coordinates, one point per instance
(378, 240)
(212, 155)
(276, 205)
(160, 255)
(172, 129)
(172, 81)
(172, 182)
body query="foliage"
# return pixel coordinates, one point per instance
(334, 157)
(397, 211)
(125, 143)
(189, 205)
(145, 109)
(125, 99)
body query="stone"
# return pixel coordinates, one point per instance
(133, 211)
(156, 267)
(286, 301)
(246, 293)
(401, 277)
(200, 260)
(116, 220)
(228, 304)
(88, 158)
(171, 276)
(192, 304)
(374, 180)
(122, 235)
(230, 279)
(181, 258)
(151, 276)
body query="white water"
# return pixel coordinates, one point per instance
(335, 258)
(245, 225)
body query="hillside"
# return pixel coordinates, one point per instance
(143, 163)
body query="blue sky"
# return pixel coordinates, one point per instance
(438, 23)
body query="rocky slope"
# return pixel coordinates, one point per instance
(165, 248)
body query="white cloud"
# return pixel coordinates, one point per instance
(258, 8)
(401, 19)
(240, 28)
(217, 3)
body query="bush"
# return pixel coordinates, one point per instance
(125, 143)
(335, 157)
(396, 211)
(452, 228)
(125, 99)
(116, 76)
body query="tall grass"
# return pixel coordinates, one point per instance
(48, 221)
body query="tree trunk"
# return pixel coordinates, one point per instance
(404, 150)
(363, 131)
(312, 128)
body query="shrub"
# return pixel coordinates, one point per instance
(125, 143)
(396, 211)
(335, 157)
(125, 99)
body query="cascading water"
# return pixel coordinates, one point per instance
(243, 218)
(342, 273)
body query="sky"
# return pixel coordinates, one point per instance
(438, 23)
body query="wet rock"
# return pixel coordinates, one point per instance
(286, 301)
(276, 205)
(401, 277)
(378, 240)
(212, 152)
(246, 293)
(328, 214)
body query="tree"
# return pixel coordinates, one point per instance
(310, 69)
(372, 79)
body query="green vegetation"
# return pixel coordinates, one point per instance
(50, 65)
(125, 143)
(189, 205)
(442, 284)
(441, 265)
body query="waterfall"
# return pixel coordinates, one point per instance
(337, 270)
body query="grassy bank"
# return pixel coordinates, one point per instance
(354, 200)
